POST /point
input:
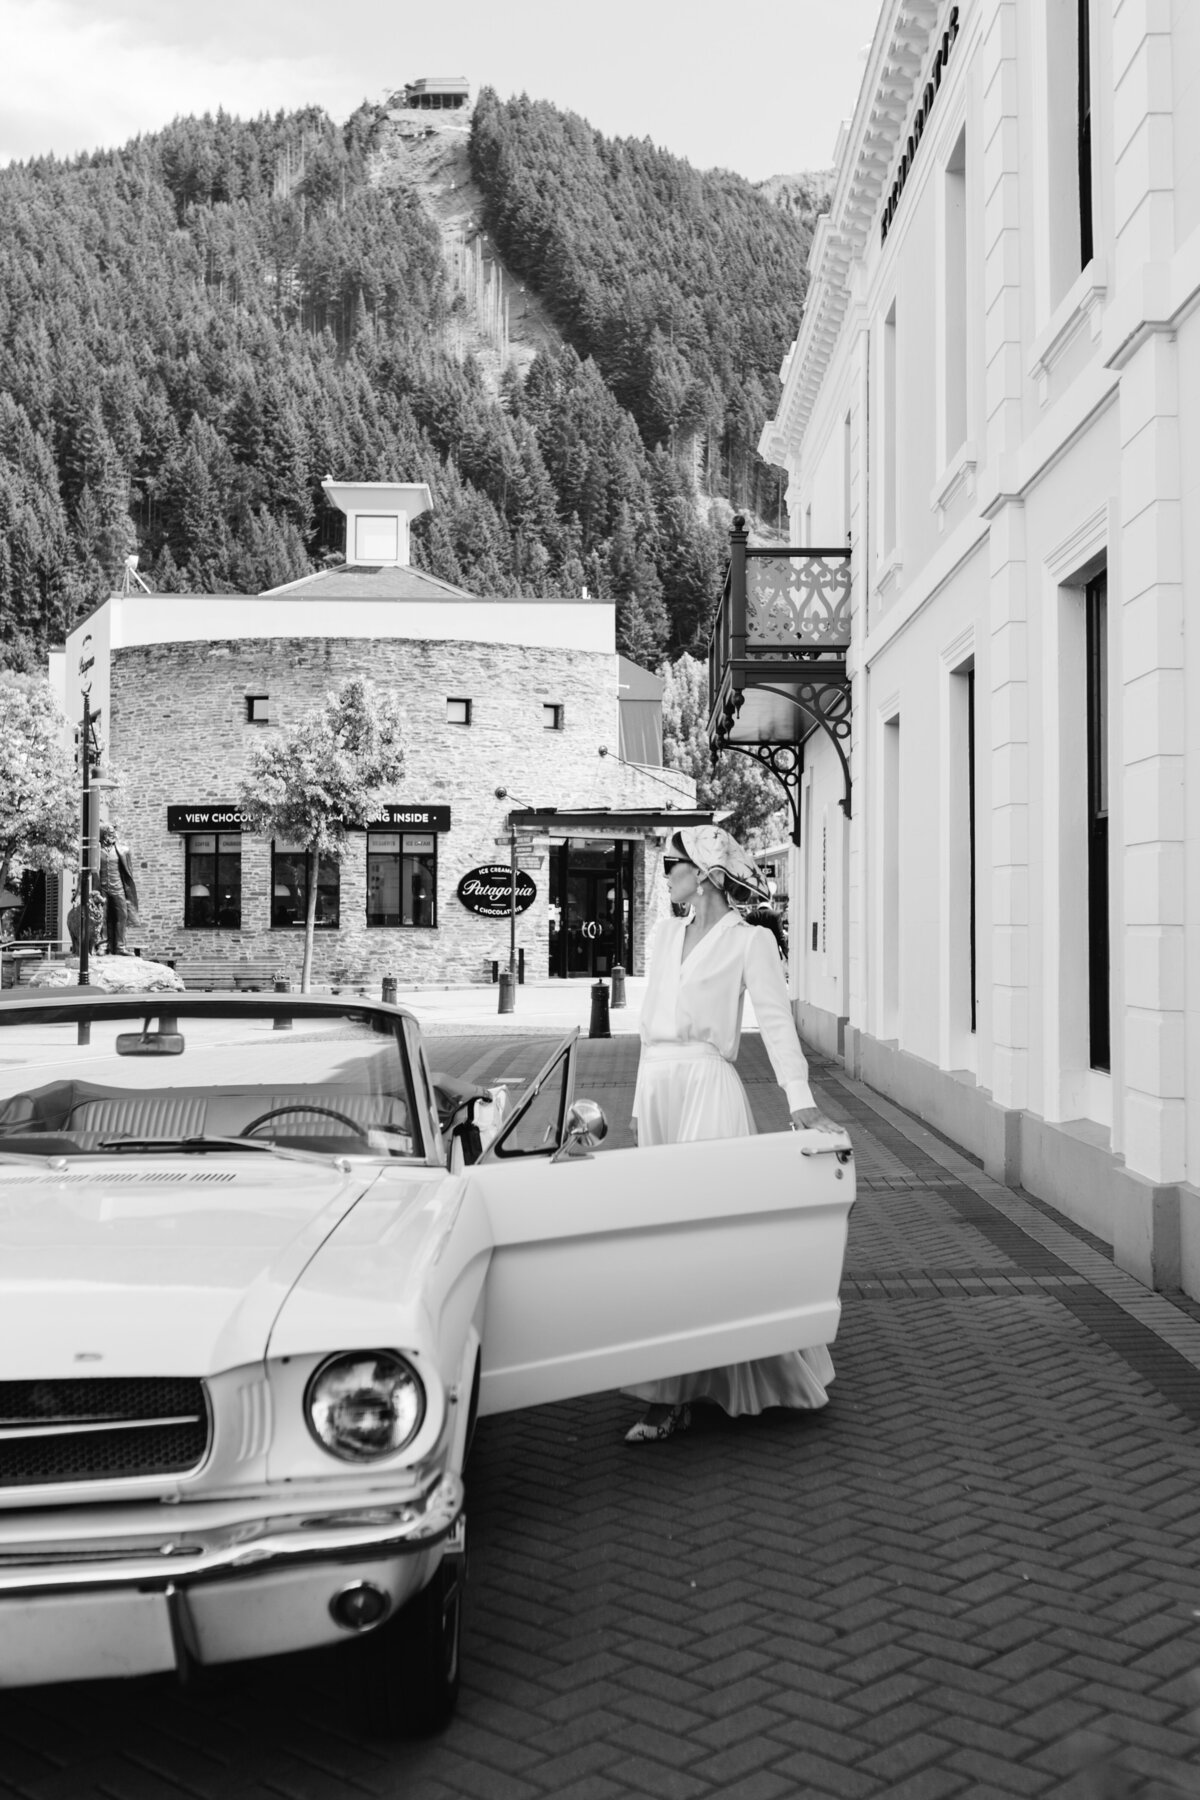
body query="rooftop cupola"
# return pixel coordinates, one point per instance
(378, 515)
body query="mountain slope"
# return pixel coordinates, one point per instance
(196, 328)
(685, 286)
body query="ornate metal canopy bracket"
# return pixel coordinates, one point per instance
(829, 704)
(786, 763)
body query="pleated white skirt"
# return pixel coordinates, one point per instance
(684, 1093)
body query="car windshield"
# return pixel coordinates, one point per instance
(81, 1079)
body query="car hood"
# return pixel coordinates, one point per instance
(143, 1266)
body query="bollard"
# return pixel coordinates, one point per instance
(282, 985)
(599, 1025)
(506, 992)
(618, 985)
(388, 994)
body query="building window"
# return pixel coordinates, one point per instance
(376, 538)
(1099, 1034)
(213, 881)
(973, 956)
(458, 712)
(402, 878)
(289, 888)
(1067, 172)
(1084, 61)
(889, 429)
(890, 871)
(552, 717)
(258, 709)
(954, 336)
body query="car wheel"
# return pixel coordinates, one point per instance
(411, 1688)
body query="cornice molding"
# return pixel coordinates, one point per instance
(895, 73)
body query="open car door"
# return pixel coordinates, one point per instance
(623, 1267)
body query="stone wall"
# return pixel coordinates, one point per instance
(179, 735)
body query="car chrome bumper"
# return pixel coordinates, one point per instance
(224, 1552)
(92, 1608)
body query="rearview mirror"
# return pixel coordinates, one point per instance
(149, 1043)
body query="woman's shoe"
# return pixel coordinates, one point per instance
(678, 1419)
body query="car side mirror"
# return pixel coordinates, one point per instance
(586, 1127)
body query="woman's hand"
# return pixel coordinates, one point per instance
(811, 1118)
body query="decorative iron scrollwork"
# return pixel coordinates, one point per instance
(797, 604)
(786, 763)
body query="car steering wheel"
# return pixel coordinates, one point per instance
(277, 1112)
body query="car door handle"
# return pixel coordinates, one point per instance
(843, 1152)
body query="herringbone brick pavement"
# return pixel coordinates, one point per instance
(976, 1573)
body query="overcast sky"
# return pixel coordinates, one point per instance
(759, 86)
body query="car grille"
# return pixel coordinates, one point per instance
(100, 1430)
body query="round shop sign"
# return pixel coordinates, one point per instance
(488, 890)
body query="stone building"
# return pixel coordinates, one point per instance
(994, 400)
(524, 695)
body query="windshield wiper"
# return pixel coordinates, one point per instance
(200, 1144)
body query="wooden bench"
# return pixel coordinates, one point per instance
(209, 972)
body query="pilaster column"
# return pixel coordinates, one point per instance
(854, 836)
(1149, 619)
(1009, 746)
(1143, 175)
(1007, 698)
(1002, 244)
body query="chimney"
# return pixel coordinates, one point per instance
(378, 515)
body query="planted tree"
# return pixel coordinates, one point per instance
(324, 778)
(39, 818)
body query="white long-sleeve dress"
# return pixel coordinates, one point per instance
(688, 1089)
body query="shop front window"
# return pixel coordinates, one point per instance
(402, 878)
(289, 888)
(213, 882)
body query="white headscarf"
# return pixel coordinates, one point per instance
(721, 860)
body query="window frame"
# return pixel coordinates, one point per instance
(191, 874)
(253, 718)
(319, 924)
(468, 709)
(554, 707)
(1099, 910)
(429, 858)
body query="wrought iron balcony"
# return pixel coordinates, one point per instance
(777, 659)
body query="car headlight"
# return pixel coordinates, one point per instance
(365, 1405)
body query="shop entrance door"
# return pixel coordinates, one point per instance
(591, 906)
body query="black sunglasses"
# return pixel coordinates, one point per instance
(675, 862)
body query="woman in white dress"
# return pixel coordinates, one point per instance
(701, 966)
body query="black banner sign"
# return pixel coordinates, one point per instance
(488, 891)
(414, 818)
(217, 816)
(223, 815)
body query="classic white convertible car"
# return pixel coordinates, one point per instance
(258, 1275)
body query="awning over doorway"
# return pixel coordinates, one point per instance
(606, 821)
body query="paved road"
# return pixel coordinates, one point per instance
(976, 1573)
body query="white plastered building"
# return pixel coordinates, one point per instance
(994, 399)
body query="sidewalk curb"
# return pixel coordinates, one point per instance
(1153, 1310)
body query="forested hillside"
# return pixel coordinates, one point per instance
(685, 286)
(195, 329)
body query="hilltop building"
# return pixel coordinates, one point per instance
(434, 93)
(994, 401)
(529, 695)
